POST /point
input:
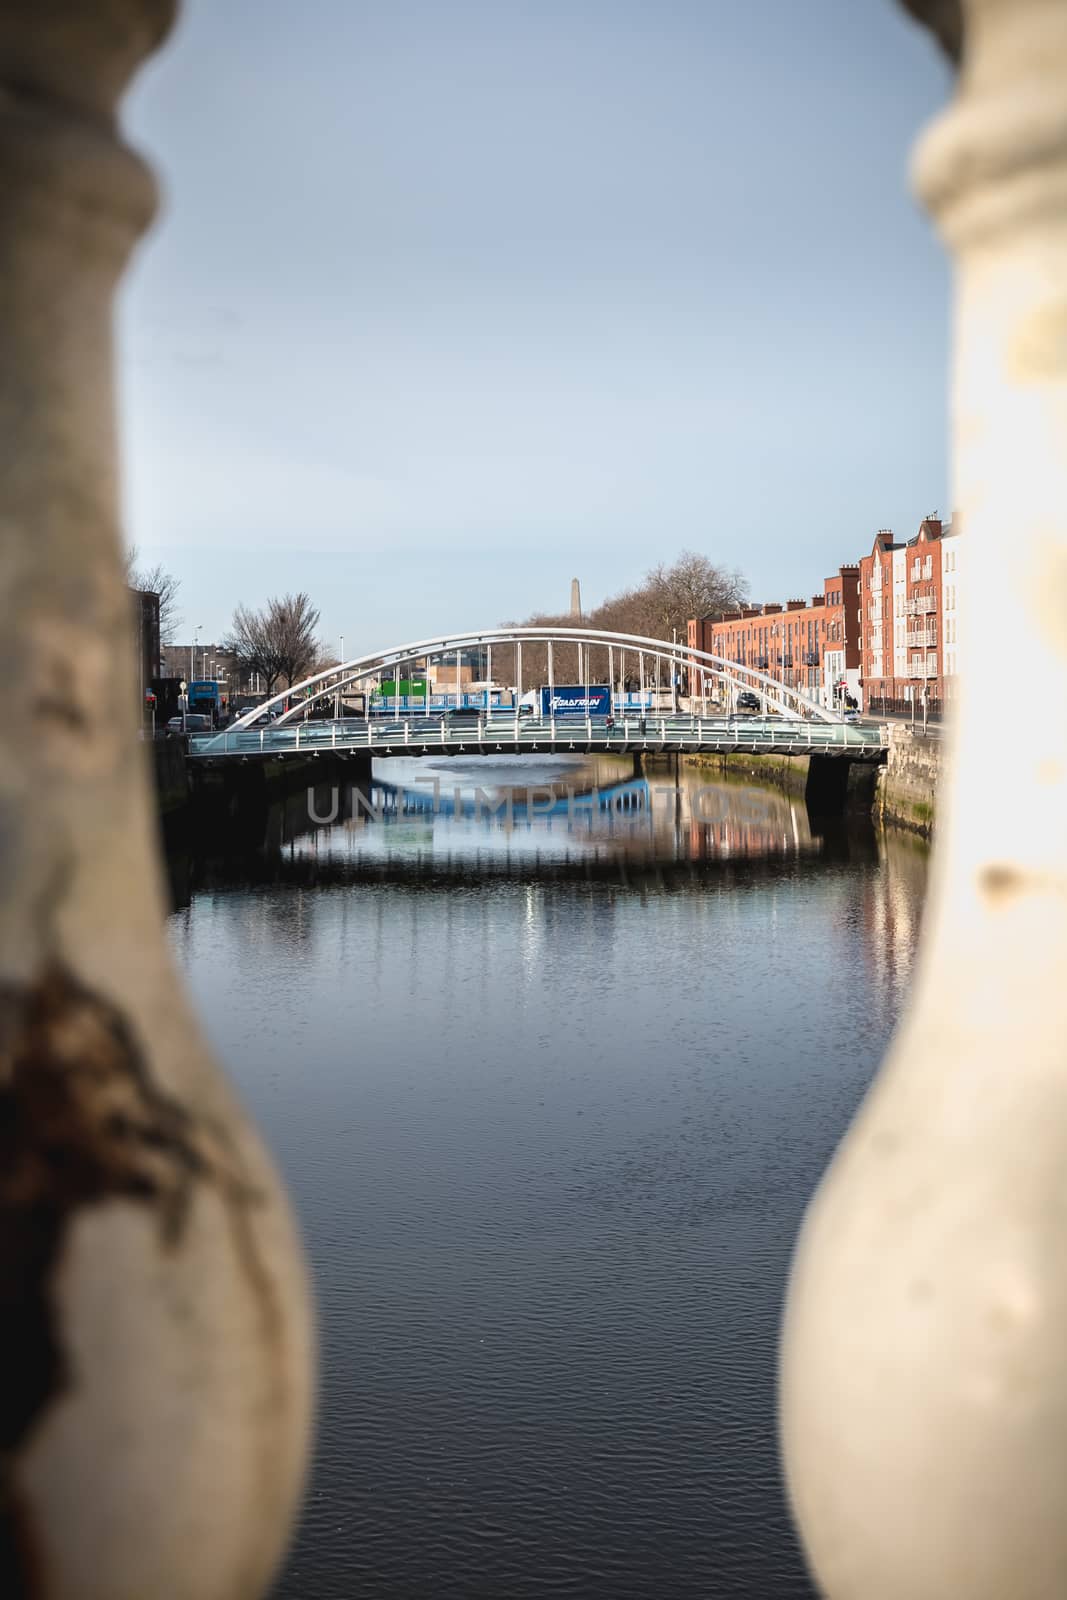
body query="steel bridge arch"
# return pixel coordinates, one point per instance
(332, 680)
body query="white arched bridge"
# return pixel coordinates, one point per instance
(545, 689)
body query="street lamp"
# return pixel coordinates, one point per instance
(197, 631)
(340, 675)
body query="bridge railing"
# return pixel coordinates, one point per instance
(422, 734)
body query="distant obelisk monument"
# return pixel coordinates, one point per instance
(576, 598)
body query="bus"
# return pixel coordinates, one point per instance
(207, 696)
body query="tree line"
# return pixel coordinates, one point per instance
(278, 641)
(657, 608)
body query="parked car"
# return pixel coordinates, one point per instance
(747, 701)
(192, 722)
(853, 716)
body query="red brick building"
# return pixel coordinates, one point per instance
(813, 647)
(903, 627)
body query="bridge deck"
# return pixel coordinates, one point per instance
(506, 735)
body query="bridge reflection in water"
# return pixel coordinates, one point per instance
(578, 818)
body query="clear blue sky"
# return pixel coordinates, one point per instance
(449, 303)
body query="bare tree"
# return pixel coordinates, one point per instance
(535, 655)
(253, 642)
(293, 621)
(627, 612)
(157, 580)
(692, 586)
(277, 642)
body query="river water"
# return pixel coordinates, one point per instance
(550, 1084)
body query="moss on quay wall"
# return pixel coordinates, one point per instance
(785, 772)
(908, 783)
(902, 793)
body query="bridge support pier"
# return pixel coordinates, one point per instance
(240, 800)
(825, 786)
(835, 785)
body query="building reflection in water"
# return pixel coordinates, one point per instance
(548, 810)
(454, 825)
(586, 817)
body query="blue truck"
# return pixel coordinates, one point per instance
(576, 700)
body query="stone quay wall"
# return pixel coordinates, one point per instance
(906, 794)
(901, 793)
(171, 775)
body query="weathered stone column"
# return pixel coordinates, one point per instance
(924, 1373)
(154, 1398)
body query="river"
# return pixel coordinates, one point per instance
(550, 1084)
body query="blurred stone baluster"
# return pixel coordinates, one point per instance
(155, 1394)
(924, 1399)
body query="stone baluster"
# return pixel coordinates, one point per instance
(155, 1393)
(924, 1385)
